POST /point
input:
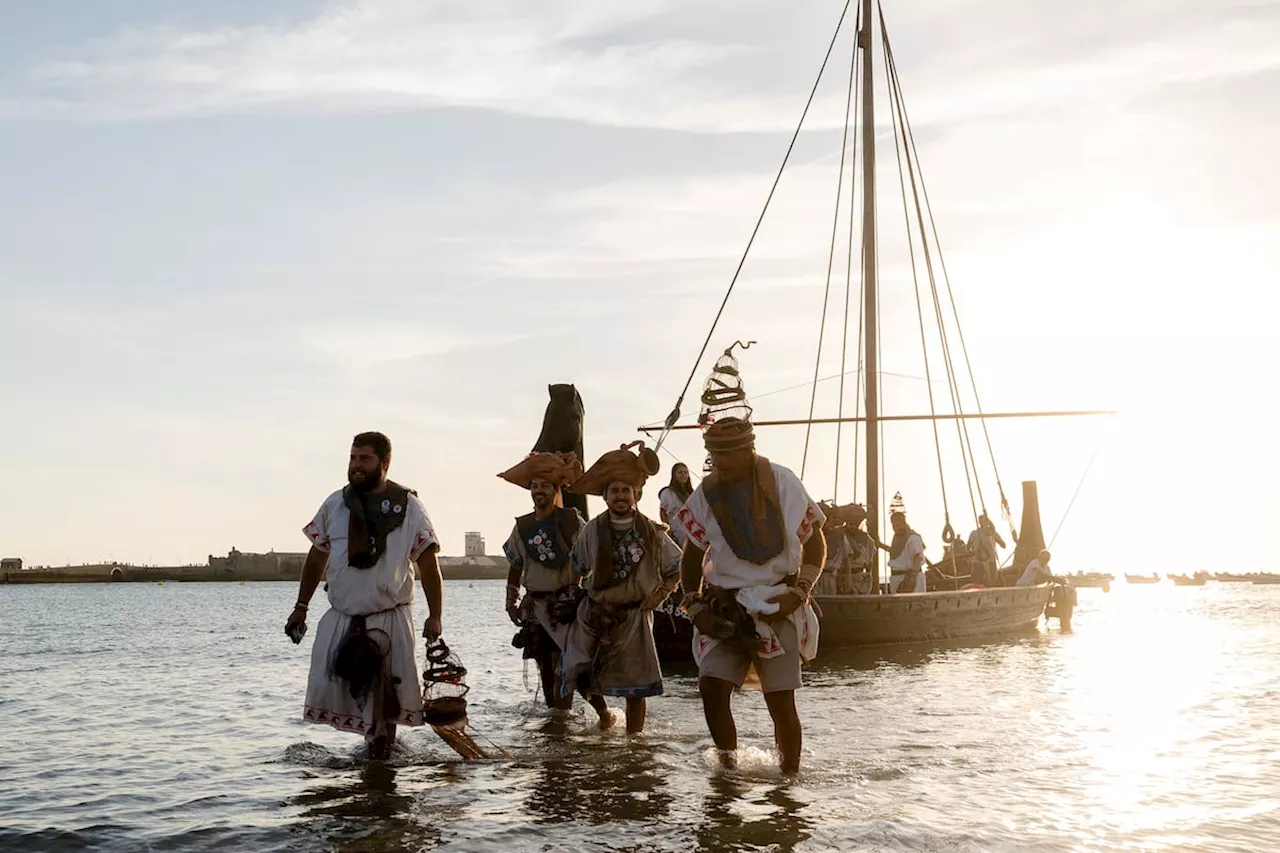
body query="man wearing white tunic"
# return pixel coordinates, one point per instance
(364, 670)
(755, 539)
(1037, 571)
(906, 556)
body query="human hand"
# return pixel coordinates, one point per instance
(432, 629)
(705, 622)
(296, 625)
(655, 599)
(788, 603)
(513, 613)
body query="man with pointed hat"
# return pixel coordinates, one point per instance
(906, 552)
(538, 555)
(629, 566)
(755, 550)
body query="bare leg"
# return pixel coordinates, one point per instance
(551, 691)
(786, 727)
(636, 708)
(380, 746)
(716, 696)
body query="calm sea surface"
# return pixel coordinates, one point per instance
(168, 717)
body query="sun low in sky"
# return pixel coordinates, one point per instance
(233, 235)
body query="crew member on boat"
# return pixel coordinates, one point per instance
(985, 559)
(537, 553)
(364, 672)
(1037, 571)
(906, 552)
(834, 569)
(671, 498)
(755, 551)
(629, 566)
(856, 579)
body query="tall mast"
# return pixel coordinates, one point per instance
(869, 279)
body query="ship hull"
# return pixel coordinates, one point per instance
(856, 621)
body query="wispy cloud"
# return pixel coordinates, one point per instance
(633, 64)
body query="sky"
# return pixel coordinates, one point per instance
(234, 234)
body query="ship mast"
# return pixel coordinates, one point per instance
(869, 278)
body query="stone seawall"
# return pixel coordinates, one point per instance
(453, 568)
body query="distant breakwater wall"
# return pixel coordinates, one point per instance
(453, 568)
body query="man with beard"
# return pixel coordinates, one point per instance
(629, 566)
(364, 671)
(906, 552)
(755, 537)
(538, 553)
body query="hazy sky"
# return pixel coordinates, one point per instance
(230, 239)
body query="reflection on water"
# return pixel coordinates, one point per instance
(739, 816)
(1154, 727)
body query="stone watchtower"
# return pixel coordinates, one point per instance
(474, 544)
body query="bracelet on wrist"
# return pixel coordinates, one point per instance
(300, 606)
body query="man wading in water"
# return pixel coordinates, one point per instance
(755, 536)
(538, 553)
(364, 670)
(629, 566)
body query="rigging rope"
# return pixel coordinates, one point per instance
(924, 344)
(1004, 501)
(831, 255)
(1076, 493)
(898, 103)
(848, 281)
(675, 412)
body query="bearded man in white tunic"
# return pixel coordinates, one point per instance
(364, 670)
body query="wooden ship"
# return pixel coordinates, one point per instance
(956, 605)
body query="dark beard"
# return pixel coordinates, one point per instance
(372, 482)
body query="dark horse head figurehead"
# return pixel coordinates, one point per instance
(562, 432)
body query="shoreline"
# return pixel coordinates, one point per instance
(453, 568)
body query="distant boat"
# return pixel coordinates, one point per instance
(1197, 579)
(1228, 577)
(1266, 579)
(1091, 579)
(1140, 579)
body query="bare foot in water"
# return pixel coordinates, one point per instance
(380, 747)
(608, 719)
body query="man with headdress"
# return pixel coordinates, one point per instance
(755, 538)
(982, 551)
(906, 552)
(364, 672)
(856, 579)
(538, 555)
(629, 566)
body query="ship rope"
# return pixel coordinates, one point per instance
(854, 75)
(674, 415)
(946, 279)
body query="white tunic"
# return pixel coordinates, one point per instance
(1034, 574)
(905, 562)
(725, 569)
(383, 594)
(671, 503)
